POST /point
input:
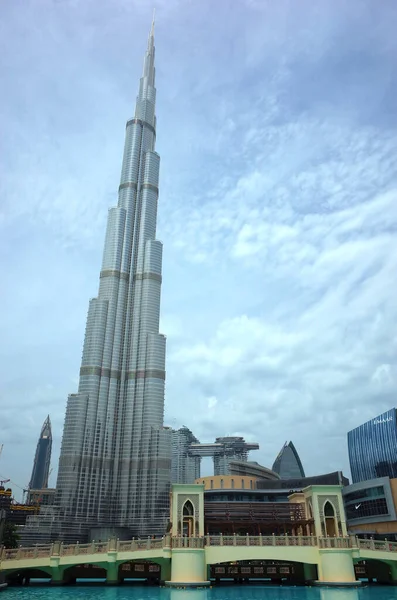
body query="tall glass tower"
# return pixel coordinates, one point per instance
(114, 466)
(373, 448)
(42, 459)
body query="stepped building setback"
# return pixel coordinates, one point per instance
(115, 460)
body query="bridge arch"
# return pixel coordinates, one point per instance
(140, 569)
(383, 570)
(274, 570)
(307, 555)
(84, 571)
(24, 575)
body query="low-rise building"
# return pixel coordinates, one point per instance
(44, 497)
(371, 508)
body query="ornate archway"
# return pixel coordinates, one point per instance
(330, 521)
(188, 519)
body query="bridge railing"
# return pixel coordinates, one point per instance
(384, 546)
(334, 542)
(187, 542)
(131, 545)
(60, 549)
(260, 540)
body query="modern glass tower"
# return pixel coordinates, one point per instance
(373, 448)
(114, 466)
(185, 467)
(288, 464)
(42, 459)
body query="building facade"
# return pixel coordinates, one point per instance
(371, 508)
(373, 448)
(288, 464)
(43, 497)
(42, 459)
(115, 460)
(234, 505)
(298, 484)
(185, 467)
(251, 469)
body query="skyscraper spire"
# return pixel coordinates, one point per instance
(148, 63)
(153, 21)
(115, 460)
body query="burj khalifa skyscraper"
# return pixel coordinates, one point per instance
(114, 466)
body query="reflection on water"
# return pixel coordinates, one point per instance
(339, 594)
(223, 592)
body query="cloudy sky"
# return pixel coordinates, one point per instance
(277, 130)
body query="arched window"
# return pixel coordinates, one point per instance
(188, 509)
(188, 519)
(330, 523)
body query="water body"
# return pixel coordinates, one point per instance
(245, 592)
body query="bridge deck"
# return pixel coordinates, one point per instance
(217, 549)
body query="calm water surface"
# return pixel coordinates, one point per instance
(217, 593)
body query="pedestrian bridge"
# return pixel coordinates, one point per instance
(324, 555)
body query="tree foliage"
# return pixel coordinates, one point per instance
(10, 535)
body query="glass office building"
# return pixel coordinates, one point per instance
(373, 448)
(288, 465)
(185, 467)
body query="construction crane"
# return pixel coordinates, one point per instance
(3, 481)
(1, 448)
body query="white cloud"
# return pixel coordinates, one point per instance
(277, 210)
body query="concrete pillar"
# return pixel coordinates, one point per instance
(56, 570)
(165, 569)
(112, 573)
(57, 575)
(188, 566)
(309, 572)
(393, 572)
(336, 566)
